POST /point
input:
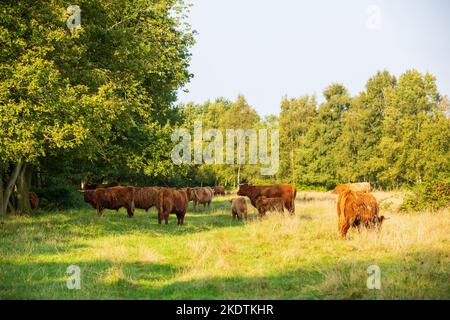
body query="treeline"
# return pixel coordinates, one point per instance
(396, 133)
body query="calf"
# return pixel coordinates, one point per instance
(173, 201)
(264, 205)
(238, 208)
(202, 195)
(287, 192)
(111, 198)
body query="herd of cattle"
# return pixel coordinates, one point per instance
(356, 206)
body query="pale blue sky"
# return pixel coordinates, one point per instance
(266, 49)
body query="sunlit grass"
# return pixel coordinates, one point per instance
(299, 257)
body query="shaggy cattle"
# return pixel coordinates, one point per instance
(173, 201)
(356, 209)
(219, 190)
(93, 186)
(34, 200)
(264, 205)
(146, 197)
(239, 208)
(112, 198)
(355, 187)
(287, 192)
(202, 195)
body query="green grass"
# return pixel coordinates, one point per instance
(213, 257)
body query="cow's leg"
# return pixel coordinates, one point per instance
(159, 217)
(99, 211)
(344, 229)
(130, 212)
(166, 218)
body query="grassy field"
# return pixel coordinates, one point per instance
(212, 257)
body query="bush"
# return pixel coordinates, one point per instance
(59, 194)
(431, 196)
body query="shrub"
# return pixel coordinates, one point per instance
(57, 193)
(432, 196)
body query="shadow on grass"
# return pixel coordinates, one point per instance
(416, 277)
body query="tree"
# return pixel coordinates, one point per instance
(101, 96)
(296, 117)
(415, 142)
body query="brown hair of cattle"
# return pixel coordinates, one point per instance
(111, 198)
(173, 201)
(146, 197)
(356, 209)
(34, 200)
(238, 208)
(264, 205)
(202, 195)
(287, 192)
(219, 190)
(355, 187)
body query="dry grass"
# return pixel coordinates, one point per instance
(299, 257)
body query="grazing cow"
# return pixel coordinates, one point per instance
(239, 208)
(355, 187)
(146, 197)
(173, 201)
(112, 198)
(356, 209)
(287, 192)
(219, 190)
(202, 195)
(93, 186)
(264, 205)
(34, 200)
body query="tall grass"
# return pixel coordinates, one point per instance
(299, 257)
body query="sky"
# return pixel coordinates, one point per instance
(265, 49)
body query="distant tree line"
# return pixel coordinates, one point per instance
(396, 133)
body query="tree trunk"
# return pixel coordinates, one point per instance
(9, 187)
(239, 175)
(23, 189)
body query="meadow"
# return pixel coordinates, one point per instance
(213, 257)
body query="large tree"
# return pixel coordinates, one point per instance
(100, 95)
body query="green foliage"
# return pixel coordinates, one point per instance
(59, 194)
(432, 195)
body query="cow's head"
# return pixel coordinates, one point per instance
(244, 189)
(89, 196)
(188, 192)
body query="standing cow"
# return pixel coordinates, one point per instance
(202, 195)
(355, 187)
(111, 198)
(357, 209)
(219, 190)
(287, 192)
(173, 201)
(146, 197)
